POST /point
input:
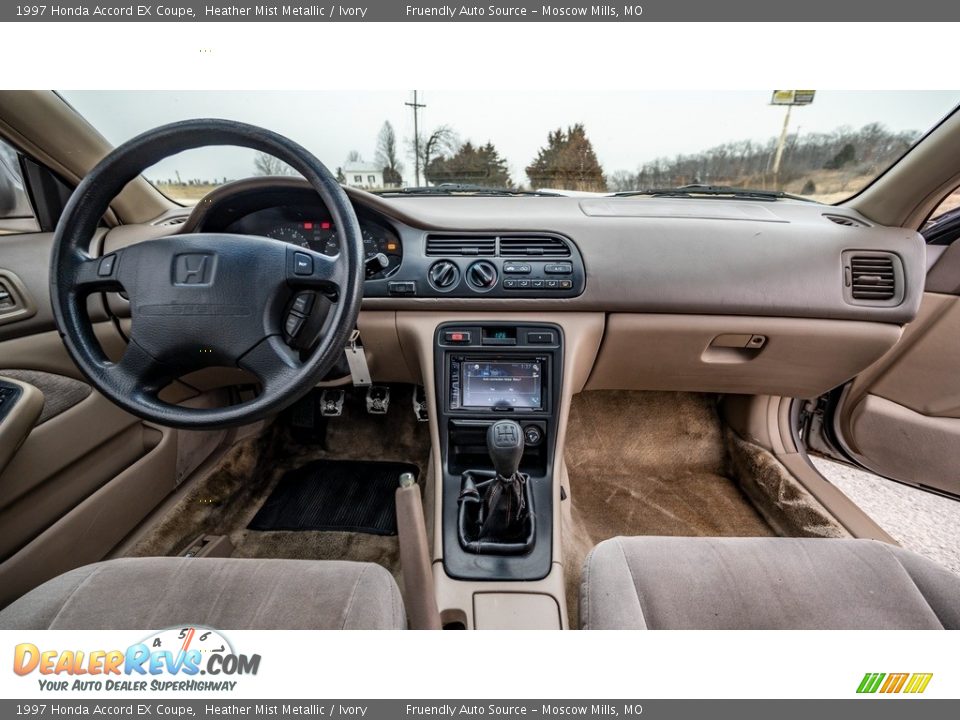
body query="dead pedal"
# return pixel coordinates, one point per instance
(378, 399)
(331, 403)
(420, 404)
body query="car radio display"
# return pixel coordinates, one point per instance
(502, 384)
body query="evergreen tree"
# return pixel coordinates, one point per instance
(568, 162)
(473, 165)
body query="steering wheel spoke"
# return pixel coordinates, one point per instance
(142, 375)
(310, 269)
(272, 362)
(100, 274)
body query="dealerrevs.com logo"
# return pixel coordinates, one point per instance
(173, 659)
(893, 683)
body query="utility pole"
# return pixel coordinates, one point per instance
(780, 145)
(416, 137)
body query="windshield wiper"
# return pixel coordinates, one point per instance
(465, 189)
(717, 191)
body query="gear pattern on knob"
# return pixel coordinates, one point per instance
(505, 445)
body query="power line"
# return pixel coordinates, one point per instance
(416, 137)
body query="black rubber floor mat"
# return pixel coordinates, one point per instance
(344, 495)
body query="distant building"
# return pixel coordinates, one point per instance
(366, 176)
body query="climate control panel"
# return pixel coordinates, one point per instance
(478, 265)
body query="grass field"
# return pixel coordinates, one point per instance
(186, 194)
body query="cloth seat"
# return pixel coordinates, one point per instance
(224, 593)
(764, 583)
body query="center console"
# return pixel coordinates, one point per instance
(498, 391)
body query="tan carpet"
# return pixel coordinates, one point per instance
(648, 463)
(225, 501)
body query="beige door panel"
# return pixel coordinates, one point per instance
(90, 530)
(19, 421)
(920, 373)
(906, 445)
(84, 473)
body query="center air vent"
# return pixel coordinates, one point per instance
(533, 246)
(460, 246)
(873, 278)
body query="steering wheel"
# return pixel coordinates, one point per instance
(203, 299)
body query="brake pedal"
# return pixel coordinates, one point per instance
(420, 404)
(378, 399)
(331, 403)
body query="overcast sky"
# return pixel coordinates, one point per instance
(627, 128)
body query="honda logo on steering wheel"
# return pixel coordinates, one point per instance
(193, 269)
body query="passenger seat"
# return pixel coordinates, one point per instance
(667, 583)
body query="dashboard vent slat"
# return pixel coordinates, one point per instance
(461, 246)
(534, 246)
(872, 277)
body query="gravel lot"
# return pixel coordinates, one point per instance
(923, 522)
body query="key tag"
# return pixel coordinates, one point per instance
(357, 361)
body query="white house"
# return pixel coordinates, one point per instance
(366, 176)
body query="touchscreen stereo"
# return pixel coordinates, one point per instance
(497, 383)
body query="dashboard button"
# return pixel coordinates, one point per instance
(509, 284)
(302, 264)
(402, 287)
(523, 284)
(558, 269)
(537, 284)
(517, 268)
(303, 303)
(553, 284)
(105, 269)
(540, 338)
(293, 324)
(457, 337)
(566, 284)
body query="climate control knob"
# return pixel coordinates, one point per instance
(444, 275)
(482, 275)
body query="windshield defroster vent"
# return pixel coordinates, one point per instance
(460, 246)
(844, 220)
(873, 278)
(533, 246)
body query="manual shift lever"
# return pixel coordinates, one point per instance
(505, 446)
(496, 511)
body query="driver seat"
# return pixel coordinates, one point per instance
(224, 593)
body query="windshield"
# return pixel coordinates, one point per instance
(823, 146)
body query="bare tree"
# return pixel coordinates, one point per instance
(442, 141)
(386, 155)
(264, 164)
(354, 156)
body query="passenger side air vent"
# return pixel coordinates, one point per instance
(873, 278)
(534, 246)
(452, 246)
(844, 220)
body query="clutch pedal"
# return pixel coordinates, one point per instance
(331, 403)
(420, 404)
(378, 399)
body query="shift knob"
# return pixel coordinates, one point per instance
(505, 445)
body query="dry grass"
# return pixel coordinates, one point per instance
(186, 194)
